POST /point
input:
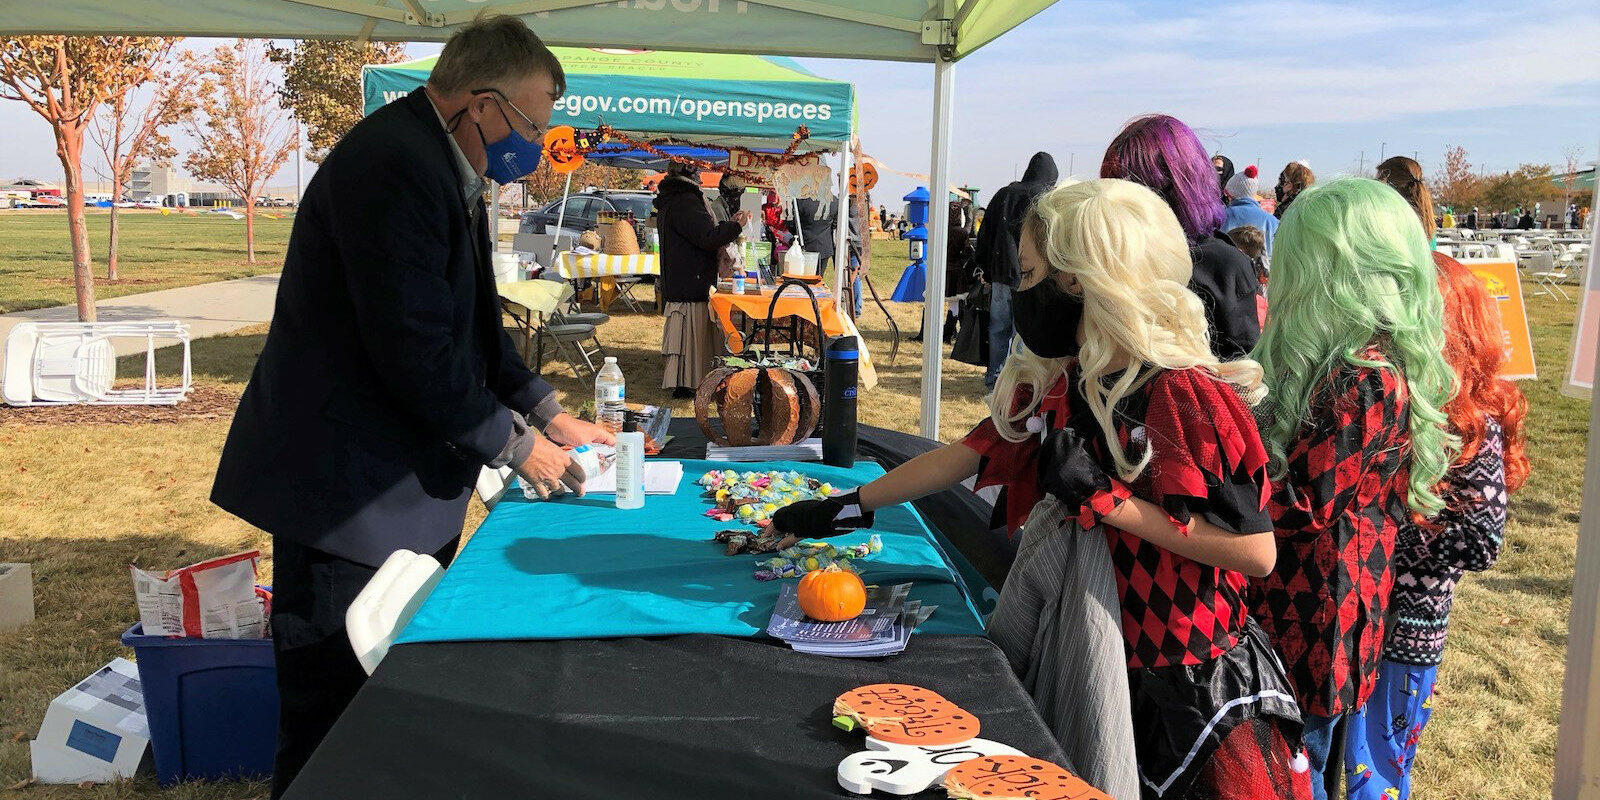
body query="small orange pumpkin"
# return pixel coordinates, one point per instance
(832, 594)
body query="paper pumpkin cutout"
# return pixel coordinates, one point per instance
(903, 714)
(908, 768)
(561, 149)
(1016, 777)
(863, 177)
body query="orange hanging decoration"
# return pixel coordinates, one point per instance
(561, 149)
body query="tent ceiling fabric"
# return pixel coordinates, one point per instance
(895, 30)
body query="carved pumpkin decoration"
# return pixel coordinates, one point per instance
(757, 406)
(832, 594)
(561, 149)
(904, 714)
(1016, 778)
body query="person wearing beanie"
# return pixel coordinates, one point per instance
(1243, 208)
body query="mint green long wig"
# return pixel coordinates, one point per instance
(1350, 269)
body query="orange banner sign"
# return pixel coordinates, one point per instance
(1500, 278)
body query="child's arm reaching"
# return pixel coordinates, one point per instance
(925, 474)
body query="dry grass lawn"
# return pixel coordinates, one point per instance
(80, 503)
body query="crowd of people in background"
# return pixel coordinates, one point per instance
(1286, 500)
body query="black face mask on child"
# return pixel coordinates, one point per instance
(1046, 317)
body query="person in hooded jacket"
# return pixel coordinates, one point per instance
(996, 252)
(690, 239)
(1224, 167)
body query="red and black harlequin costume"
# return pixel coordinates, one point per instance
(1213, 712)
(1336, 513)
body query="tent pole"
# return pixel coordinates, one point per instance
(841, 225)
(561, 218)
(944, 79)
(1578, 739)
(494, 217)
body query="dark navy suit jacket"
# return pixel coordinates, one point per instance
(386, 381)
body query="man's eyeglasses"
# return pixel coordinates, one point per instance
(502, 100)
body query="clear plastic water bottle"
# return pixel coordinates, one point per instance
(610, 396)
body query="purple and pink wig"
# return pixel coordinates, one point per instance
(1162, 153)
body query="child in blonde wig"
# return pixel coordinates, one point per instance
(1123, 444)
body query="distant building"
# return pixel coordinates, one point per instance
(31, 188)
(160, 180)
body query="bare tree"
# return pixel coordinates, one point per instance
(64, 79)
(129, 128)
(245, 135)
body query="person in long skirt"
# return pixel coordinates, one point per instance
(690, 241)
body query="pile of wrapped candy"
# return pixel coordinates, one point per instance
(753, 497)
(792, 562)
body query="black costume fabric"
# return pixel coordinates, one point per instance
(690, 239)
(1224, 173)
(1225, 280)
(996, 251)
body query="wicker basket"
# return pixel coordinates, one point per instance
(620, 239)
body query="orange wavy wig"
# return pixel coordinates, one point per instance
(1474, 347)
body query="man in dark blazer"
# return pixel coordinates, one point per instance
(387, 382)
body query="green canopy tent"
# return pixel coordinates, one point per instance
(714, 98)
(711, 98)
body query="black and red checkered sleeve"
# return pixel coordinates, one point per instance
(1207, 458)
(1358, 417)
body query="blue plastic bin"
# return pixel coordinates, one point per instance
(212, 703)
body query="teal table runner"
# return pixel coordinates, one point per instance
(579, 568)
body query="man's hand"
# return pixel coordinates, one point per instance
(741, 218)
(550, 470)
(571, 431)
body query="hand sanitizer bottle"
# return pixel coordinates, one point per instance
(630, 466)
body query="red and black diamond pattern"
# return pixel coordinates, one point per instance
(1336, 512)
(1174, 610)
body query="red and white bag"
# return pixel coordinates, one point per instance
(214, 599)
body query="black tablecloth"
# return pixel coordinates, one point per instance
(698, 717)
(694, 717)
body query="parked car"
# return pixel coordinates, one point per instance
(42, 201)
(584, 209)
(282, 202)
(148, 202)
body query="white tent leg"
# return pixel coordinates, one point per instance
(1578, 739)
(944, 80)
(494, 217)
(561, 218)
(841, 227)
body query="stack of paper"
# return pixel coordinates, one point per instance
(808, 450)
(881, 629)
(660, 477)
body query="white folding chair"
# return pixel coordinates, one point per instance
(62, 363)
(492, 485)
(387, 603)
(1550, 280)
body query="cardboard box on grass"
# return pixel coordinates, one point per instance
(16, 596)
(95, 731)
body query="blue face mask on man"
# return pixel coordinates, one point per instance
(511, 157)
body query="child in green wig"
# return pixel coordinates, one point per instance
(1354, 354)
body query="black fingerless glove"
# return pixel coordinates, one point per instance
(819, 519)
(1068, 471)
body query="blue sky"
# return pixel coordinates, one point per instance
(1273, 81)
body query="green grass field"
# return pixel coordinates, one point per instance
(80, 502)
(156, 252)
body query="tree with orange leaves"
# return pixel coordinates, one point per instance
(243, 135)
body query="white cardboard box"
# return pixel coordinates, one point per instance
(95, 731)
(16, 596)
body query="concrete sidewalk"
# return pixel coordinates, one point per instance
(209, 308)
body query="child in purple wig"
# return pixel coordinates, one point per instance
(1161, 152)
